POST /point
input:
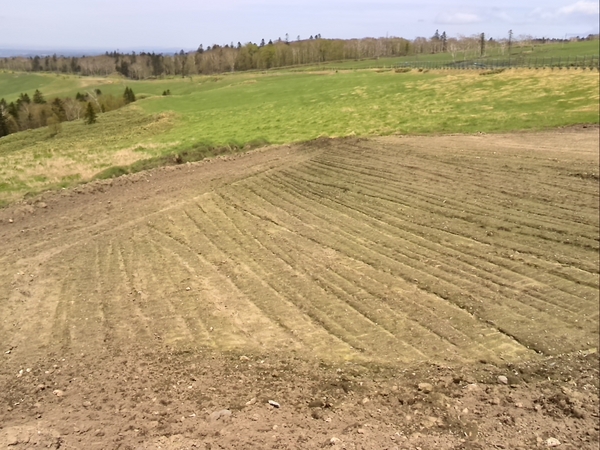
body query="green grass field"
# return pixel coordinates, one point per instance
(518, 52)
(235, 110)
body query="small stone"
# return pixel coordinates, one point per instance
(334, 441)
(361, 431)
(316, 414)
(552, 442)
(502, 379)
(425, 387)
(87, 404)
(187, 288)
(274, 404)
(495, 401)
(472, 387)
(365, 400)
(244, 358)
(252, 401)
(10, 221)
(58, 392)
(519, 405)
(220, 415)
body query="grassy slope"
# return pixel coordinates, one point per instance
(284, 107)
(287, 108)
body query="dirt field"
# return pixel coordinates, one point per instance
(375, 289)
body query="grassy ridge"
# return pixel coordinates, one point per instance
(232, 111)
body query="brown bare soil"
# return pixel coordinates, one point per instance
(375, 289)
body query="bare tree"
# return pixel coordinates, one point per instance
(73, 109)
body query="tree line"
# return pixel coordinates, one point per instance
(251, 56)
(29, 112)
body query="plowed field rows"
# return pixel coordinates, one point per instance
(456, 248)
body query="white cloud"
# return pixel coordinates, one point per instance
(581, 7)
(502, 15)
(457, 18)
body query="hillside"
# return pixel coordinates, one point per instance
(208, 115)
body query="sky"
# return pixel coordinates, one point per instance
(185, 24)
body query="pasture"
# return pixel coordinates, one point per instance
(230, 112)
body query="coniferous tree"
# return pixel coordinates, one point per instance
(128, 95)
(90, 115)
(58, 109)
(13, 110)
(24, 98)
(3, 124)
(38, 97)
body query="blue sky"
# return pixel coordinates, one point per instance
(154, 24)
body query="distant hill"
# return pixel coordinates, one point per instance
(27, 52)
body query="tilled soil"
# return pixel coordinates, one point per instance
(435, 292)
(205, 400)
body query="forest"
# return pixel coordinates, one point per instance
(27, 113)
(264, 55)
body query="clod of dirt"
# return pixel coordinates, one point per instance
(425, 387)
(317, 414)
(316, 404)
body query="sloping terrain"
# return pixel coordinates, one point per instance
(394, 252)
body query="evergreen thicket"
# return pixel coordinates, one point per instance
(128, 95)
(27, 112)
